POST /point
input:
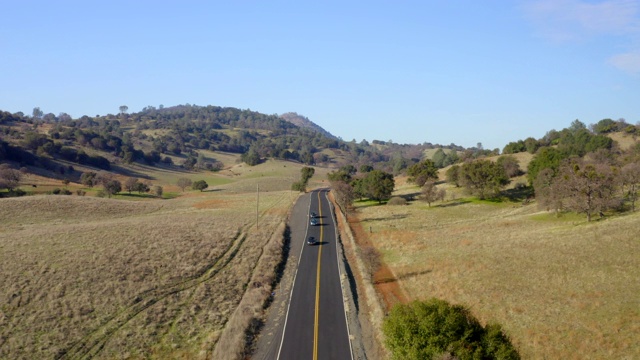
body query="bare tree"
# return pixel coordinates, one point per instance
(9, 178)
(430, 193)
(343, 193)
(630, 176)
(371, 258)
(130, 184)
(123, 109)
(587, 188)
(184, 183)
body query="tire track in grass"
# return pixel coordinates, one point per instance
(91, 344)
(189, 301)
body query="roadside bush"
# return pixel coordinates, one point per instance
(435, 328)
(80, 192)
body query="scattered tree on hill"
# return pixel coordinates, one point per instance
(630, 176)
(453, 175)
(37, 113)
(112, 187)
(548, 195)
(339, 175)
(184, 183)
(442, 159)
(251, 157)
(378, 185)
(200, 185)
(158, 190)
(605, 126)
(130, 184)
(421, 172)
(365, 168)
(142, 187)
(547, 158)
(436, 329)
(510, 164)
(9, 178)
(123, 109)
(89, 179)
(587, 188)
(430, 193)
(483, 178)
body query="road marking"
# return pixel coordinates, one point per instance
(315, 326)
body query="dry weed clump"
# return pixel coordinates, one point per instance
(111, 279)
(562, 288)
(247, 317)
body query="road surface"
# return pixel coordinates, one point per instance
(315, 326)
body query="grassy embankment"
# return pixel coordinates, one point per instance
(153, 278)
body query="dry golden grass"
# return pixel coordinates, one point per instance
(562, 288)
(625, 141)
(85, 276)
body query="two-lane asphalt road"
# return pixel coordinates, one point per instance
(316, 326)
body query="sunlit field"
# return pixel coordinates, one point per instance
(563, 288)
(84, 276)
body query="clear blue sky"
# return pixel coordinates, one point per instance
(410, 71)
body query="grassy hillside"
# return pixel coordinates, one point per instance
(114, 278)
(561, 287)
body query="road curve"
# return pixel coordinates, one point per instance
(315, 326)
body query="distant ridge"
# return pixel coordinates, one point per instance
(304, 122)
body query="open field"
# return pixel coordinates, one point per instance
(561, 287)
(111, 278)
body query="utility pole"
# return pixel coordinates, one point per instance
(257, 205)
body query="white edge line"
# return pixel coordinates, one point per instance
(306, 233)
(335, 228)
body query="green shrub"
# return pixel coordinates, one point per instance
(435, 328)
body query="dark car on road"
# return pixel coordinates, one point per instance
(313, 222)
(313, 215)
(311, 241)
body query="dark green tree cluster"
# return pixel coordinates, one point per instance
(482, 178)
(421, 172)
(305, 174)
(443, 159)
(529, 145)
(606, 126)
(434, 328)
(375, 184)
(199, 185)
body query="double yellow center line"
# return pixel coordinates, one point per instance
(315, 325)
